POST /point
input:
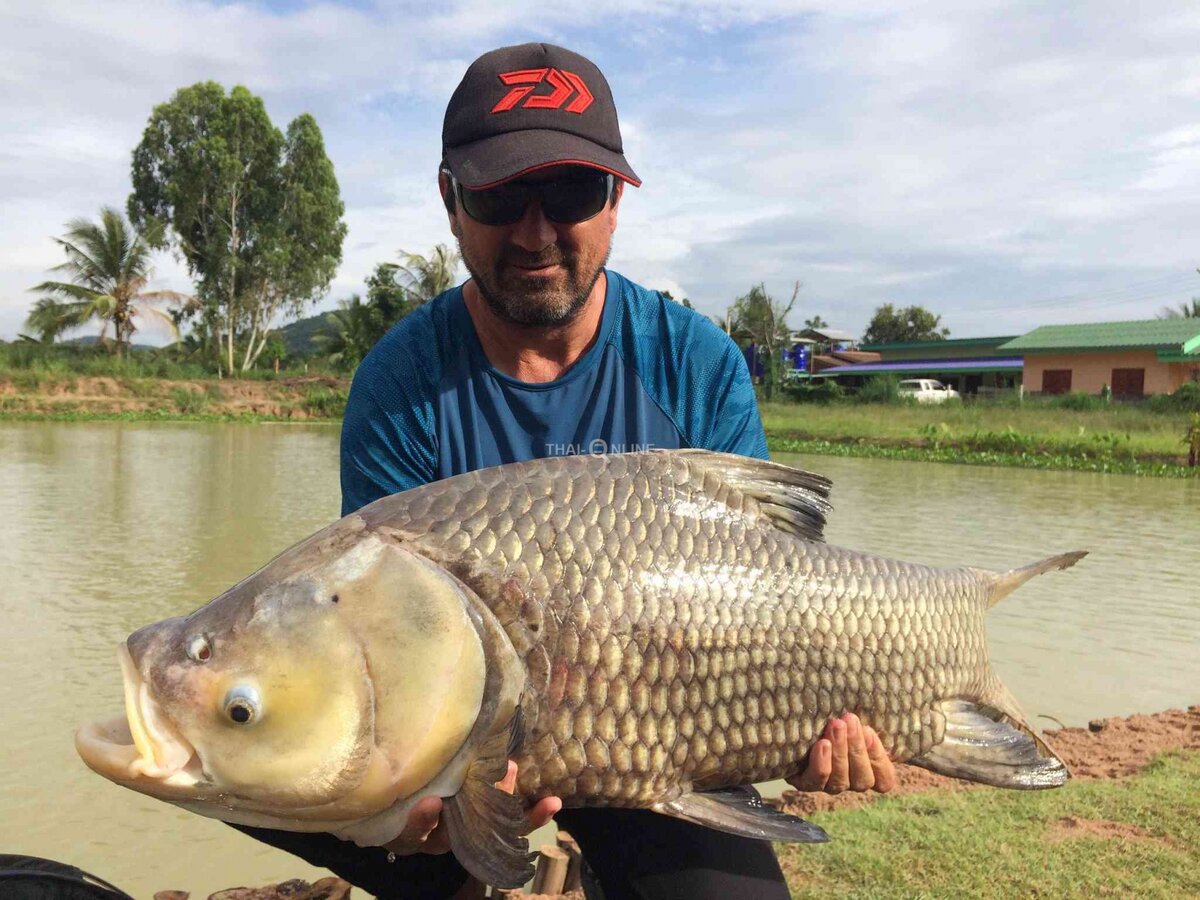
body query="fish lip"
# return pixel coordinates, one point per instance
(141, 746)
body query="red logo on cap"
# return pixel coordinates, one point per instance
(564, 83)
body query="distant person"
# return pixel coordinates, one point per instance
(544, 352)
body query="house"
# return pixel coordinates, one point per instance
(1133, 359)
(970, 365)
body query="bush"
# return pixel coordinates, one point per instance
(326, 403)
(880, 389)
(821, 392)
(1079, 401)
(1186, 398)
(189, 403)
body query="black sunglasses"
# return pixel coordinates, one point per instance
(566, 201)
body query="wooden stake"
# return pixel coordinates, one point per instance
(568, 844)
(551, 870)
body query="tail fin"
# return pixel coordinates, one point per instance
(990, 741)
(1009, 581)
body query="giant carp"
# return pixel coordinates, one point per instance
(653, 630)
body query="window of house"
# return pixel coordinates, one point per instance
(1056, 381)
(1128, 382)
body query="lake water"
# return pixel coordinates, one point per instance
(105, 527)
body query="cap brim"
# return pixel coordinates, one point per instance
(502, 157)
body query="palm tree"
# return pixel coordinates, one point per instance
(1184, 311)
(356, 328)
(109, 266)
(423, 278)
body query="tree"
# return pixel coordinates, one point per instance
(395, 290)
(896, 326)
(109, 267)
(815, 322)
(763, 320)
(256, 215)
(1183, 311)
(424, 277)
(357, 327)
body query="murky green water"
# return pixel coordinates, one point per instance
(107, 526)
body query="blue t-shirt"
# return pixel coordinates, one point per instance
(426, 403)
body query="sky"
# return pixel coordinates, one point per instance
(1004, 164)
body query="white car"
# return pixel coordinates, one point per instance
(927, 390)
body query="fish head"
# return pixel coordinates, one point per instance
(260, 696)
(343, 677)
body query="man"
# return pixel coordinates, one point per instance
(543, 352)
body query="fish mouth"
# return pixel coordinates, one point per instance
(142, 749)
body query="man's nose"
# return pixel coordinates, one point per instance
(533, 231)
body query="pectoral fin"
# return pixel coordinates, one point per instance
(741, 811)
(982, 744)
(486, 825)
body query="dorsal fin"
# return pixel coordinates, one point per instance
(793, 500)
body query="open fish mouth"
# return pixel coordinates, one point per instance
(141, 749)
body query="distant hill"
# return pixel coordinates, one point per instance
(298, 336)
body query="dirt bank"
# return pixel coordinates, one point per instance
(310, 397)
(1107, 748)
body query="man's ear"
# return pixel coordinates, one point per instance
(617, 193)
(446, 189)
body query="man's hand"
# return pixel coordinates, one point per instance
(425, 833)
(848, 756)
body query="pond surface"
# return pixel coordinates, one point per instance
(105, 527)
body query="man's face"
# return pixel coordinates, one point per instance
(536, 272)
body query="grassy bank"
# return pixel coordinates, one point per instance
(1117, 438)
(1134, 837)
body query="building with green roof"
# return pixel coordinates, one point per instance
(1153, 356)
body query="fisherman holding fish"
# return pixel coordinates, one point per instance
(514, 611)
(546, 352)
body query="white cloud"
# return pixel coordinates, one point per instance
(990, 156)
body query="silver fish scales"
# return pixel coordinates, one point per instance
(684, 627)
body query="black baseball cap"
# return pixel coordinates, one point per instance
(522, 108)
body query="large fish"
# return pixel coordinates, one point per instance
(647, 630)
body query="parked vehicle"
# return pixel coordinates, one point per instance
(927, 390)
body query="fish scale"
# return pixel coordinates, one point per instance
(690, 642)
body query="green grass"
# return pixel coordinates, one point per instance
(999, 844)
(1118, 438)
(1145, 431)
(326, 403)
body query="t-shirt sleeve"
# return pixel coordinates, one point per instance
(388, 442)
(735, 426)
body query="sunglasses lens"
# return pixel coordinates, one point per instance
(501, 205)
(575, 200)
(567, 201)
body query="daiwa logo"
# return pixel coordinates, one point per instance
(564, 83)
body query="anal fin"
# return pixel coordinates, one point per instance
(982, 745)
(487, 825)
(741, 811)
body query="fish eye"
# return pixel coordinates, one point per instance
(198, 648)
(242, 705)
